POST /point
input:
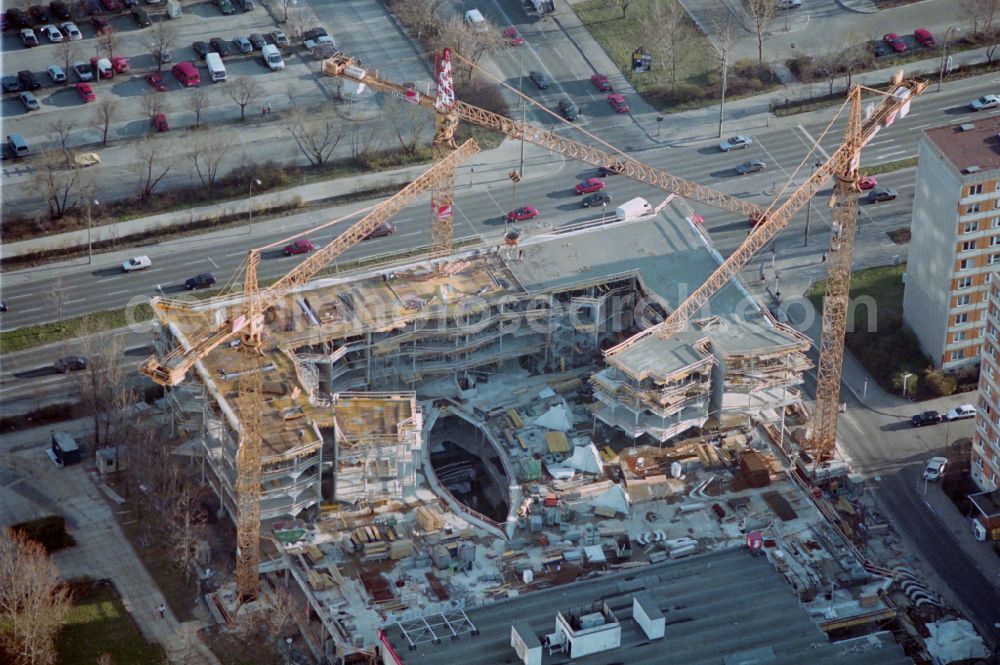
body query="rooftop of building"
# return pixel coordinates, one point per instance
(969, 145)
(719, 607)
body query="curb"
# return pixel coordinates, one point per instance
(843, 4)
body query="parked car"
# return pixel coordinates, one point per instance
(156, 81)
(601, 82)
(513, 37)
(100, 24)
(985, 102)
(614, 169)
(280, 38)
(257, 41)
(70, 364)
(111, 5)
(589, 186)
(522, 213)
(867, 182)
(247, 5)
(72, 32)
(895, 42)
(879, 194)
(103, 66)
(201, 49)
(136, 263)
(11, 84)
(56, 73)
(926, 418)
(312, 34)
(568, 109)
(141, 17)
(596, 199)
(28, 38)
(60, 10)
(51, 33)
(225, 6)
(159, 122)
(382, 230)
(960, 412)
(39, 14)
(300, 246)
(935, 468)
(28, 80)
(131, 4)
(618, 103)
(924, 37)
(538, 79)
(202, 281)
(219, 46)
(120, 64)
(789, 4)
(243, 44)
(17, 19)
(85, 92)
(736, 143)
(751, 166)
(84, 72)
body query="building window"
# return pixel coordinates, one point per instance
(962, 300)
(970, 227)
(975, 189)
(995, 222)
(972, 209)
(961, 318)
(994, 258)
(966, 264)
(959, 336)
(965, 282)
(958, 354)
(989, 392)
(994, 241)
(968, 245)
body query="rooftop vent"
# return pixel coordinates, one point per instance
(971, 169)
(967, 127)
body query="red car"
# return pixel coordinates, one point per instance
(156, 81)
(589, 186)
(601, 82)
(618, 103)
(513, 37)
(924, 37)
(101, 25)
(867, 182)
(159, 121)
(300, 246)
(111, 5)
(895, 42)
(522, 213)
(86, 92)
(120, 64)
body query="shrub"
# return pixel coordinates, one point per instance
(911, 382)
(49, 532)
(802, 67)
(939, 383)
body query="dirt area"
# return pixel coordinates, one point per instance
(899, 236)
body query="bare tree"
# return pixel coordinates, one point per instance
(55, 182)
(663, 28)
(725, 37)
(197, 102)
(853, 59)
(185, 518)
(161, 40)
(33, 601)
(61, 128)
(623, 5)
(68, 54)
(982, 14)
(419, 16)
(286, 7)
(57, 296)
(153, 104)
(471, 44)
(281, 612)
(409, 123)
(110, 42)
(206, 157)
(761, 12)
(105, 390)
(992, 48)
(244, 91)
(105, 112)
(295, 23)
(152, 168)
(105, 659)
(317, 139)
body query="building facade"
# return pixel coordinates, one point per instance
(955, 241)
(985, 466)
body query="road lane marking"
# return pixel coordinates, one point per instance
(813, 142)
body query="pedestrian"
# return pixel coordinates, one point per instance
(823, 260)
(162, 609)
(520, 254)
(263, 111)
(269, 109)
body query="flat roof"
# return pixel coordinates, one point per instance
(979, 146)
(718, 608)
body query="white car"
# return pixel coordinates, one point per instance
(72, 32)
(52, 32)
(789, 4)
(935, 468)
(136, 263)
(961, 412)
(57, 74)
(985, 102)
(736, 143)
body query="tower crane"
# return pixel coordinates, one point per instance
(842, 165)
(248, 323)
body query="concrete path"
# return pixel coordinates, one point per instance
(31, 487)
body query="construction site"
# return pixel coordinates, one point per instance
(418, 450)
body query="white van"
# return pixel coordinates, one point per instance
(475, 18)
(633, 209)
(272, 57)
(216, 69)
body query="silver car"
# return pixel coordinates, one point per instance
(29, 101)
(83, 71)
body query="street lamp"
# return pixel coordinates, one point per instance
(288, 641)
(90, 243)
(944, 54)
(906, 375)
(253, 181)
(604, 211)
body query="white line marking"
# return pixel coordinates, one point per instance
(813, 142)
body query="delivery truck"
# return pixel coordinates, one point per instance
(633, 209)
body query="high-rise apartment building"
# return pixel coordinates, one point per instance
(986, 439)
(955, 240)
